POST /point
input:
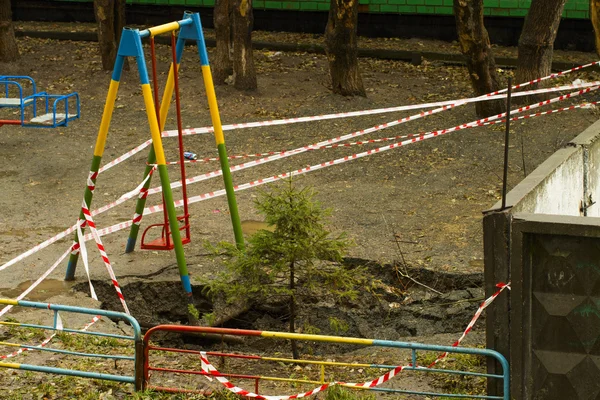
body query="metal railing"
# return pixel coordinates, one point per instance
(324, 367)
(135, 377)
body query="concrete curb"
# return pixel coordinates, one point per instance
(413, 57)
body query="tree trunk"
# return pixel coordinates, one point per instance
(222, 65)
(105, 17)
(536, 44)
(8, 45)
(295, 353)
(119, 19)
(595, 17)
(342, 48)
(244, 74)
(475, 46)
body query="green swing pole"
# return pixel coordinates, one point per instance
(164, 110)
(219, 137)
(133, 37)
(193, 31)
(98, 152)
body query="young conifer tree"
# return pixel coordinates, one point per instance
(298, 258)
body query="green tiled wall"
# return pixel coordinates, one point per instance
(505, 8)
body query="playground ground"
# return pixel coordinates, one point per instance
(420, 203)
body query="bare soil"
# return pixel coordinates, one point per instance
(419, 204)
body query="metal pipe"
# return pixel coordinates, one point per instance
(69, 372)
(186, 213)
(506, 141)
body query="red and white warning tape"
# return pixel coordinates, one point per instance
(24, 349)
(129, 195)
(389, 139)
(103, 255)
(209, 195)
(59, 328)
(209, 129)
(539, 114)
(421, 137)
(84, 257)
(501, 286)
(125, 156)
(37, 282)
(38, 247)
(303, 149)
(212, 372)
(285, 121)
(551, 76)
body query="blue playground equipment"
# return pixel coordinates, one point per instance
(20, 92)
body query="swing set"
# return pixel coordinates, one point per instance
(172, 226)
(164, 242)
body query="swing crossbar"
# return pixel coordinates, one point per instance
(164, 28)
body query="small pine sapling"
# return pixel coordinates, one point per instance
(298, 258)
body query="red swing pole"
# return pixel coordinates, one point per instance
(186, 214)
(165, 230)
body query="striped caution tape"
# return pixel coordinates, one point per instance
(91, 181)
(103, 255)
(210, 195)
(482, 307)
(303, 149)
(421, 137)
(24, 349)
(125, 156)
(212, 372)
(392, 138)
(75, 248)
(246, 165)
(209, 369)
(84, 258)
(59, 328)
(285, 121)
(37, 282)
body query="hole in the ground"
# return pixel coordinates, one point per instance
(408, 310)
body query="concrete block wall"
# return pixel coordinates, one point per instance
(567, 181)
(498, 8)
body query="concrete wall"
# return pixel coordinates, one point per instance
(563, 184)
(540, 235)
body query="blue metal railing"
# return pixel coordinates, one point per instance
(136, 375)
(414, 347)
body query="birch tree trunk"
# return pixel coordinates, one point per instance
(342, 48)
(475, 46)
(8, 44)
